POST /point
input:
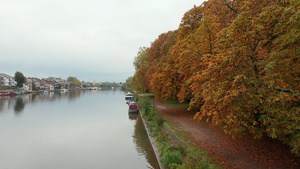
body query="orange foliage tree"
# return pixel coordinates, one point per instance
(244, 86)
(185, 52)
(239, 61)
(140, 65)
(165, 81)
(154, 55)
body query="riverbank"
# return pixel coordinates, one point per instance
(153, 143)
(223, 151)
(172, 145)
(40, 91)
(240, 153)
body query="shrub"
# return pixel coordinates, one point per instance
(145, 106)
(171, 157)
(197, 159)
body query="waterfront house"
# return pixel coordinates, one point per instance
(36, 81)
(1, 82)
(7, 81)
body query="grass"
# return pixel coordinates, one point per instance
(176, 103)
(174, 155)
(147, 95)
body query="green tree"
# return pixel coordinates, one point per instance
(74, 82)
(127, 86)
(97, 85)
(20, 79)
(34, 86)
(139, 60)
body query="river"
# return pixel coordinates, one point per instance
(72, 130)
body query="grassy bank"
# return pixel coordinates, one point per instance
(176, 148)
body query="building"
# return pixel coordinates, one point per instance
(48, 83)
(1, 82)
(30, 80)
(7, 81)
(56, 82)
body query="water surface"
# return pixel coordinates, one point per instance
(73, 130)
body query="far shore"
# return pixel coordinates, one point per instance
(36, 91)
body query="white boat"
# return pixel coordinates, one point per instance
(63, 90)
(128, 96)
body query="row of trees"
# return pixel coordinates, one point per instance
(239, 62)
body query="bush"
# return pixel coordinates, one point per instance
(197, 159)
(145, 106)
(149, 110)
(172, 156)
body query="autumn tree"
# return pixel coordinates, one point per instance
(140, 65)
(164, 82)
(239, 60)
(154, 55)
(140, 59)
(186, 53)
(189, 22)
(282, 72)
(241, 90)
(74, 82)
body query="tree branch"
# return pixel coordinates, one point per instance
(230, 7)
(286, 90)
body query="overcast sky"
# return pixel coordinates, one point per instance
(93, 40)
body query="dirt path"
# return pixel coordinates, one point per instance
(242, 153)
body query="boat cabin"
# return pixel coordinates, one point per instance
(128, 96)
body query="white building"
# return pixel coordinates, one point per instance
(7, 80)
(30, 80)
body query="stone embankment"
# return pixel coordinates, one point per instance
(153, 142)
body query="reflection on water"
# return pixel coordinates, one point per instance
(142, 142)
(19, 102)
(133, 115)
(78, 130)
(74, 95)
(33, 98)
(19, 106)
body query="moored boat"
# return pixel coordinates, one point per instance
(133, 108)
(63, 90)
(130, 100)
(128, 96)
(15, 93)
(4, 93)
